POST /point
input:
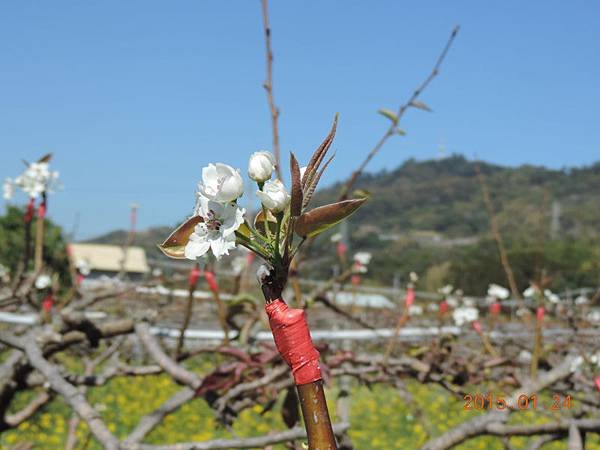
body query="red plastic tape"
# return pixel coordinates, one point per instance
(409, 300)
(194, 275)
(477, 326)
(597, 382)
(29, 211)
(495, 308)
(539, 314)
(42, 210)
(211, 281)
(292, 338)
(444, 307)
(47, 303)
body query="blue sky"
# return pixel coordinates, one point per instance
(135, 97)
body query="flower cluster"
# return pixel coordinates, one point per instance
(35, 180)
(282, 224)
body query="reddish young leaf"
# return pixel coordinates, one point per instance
(175, 244)
(296, 201)
(320, 219)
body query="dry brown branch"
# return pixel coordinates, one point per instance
(74, 398)
(252, 442)
(178, 372)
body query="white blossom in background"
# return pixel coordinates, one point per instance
(469, 302)
(595, 359)
(8, 189)
(576, 363)
(273, 196)
(582, 300)
(36, 179)
(446, 290)
(594, 316)
(464, 315)
(524, 357)
(42, 281)
(83, 267)
(452, 301)
(337, 237)
(551, 296)
(217, 231)
(156, 272)
(413, 277)
(531, 292)
(497, 291)
(261, 166)
(522, 312)
(221, 183)
(415, 310)
(359, 268)
(363, 258)
(238, 264)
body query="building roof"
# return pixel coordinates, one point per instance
(103, 257)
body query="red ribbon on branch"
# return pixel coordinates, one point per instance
(409, 298)
(597, 382)
(477, 326)
(194, 275)
(293, 341)
(41, 213)
(444, 307)
(211, 280)
(29, 211)
(495, 308)
(539, 314)
(47, 303)
(341, 249)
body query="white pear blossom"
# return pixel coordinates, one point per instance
(594, 315)
(337, 237)
(8, 189)
(42, 281)
(363, 258)
(36, 179)
(497, 291)
(156, 272)
(83, 267)
(273, 196)
(413, 277)
(261, 166)
(469, 301)
(452, 301)
(576, 363)
(582, 300)
(524, 357)
(464, 315)
(446, 290)
(415, 310)
(551, 296)
(221, 183)
(217, 231)
(531, 292)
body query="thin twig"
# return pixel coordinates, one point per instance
(392, 129)
(268, 85)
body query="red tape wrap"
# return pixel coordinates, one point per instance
(42, 210)
(29, 210)
(211, 280)
(292, 338)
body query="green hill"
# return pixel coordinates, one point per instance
(429, 216)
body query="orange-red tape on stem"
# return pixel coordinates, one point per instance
(42, 210)
(211, 280)
(29, 211)
(292, 338)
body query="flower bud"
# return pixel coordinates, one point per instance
(261, 166)
(274, 196)
(221, 183)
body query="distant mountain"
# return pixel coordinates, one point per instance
(444, 196)
(429, 216)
